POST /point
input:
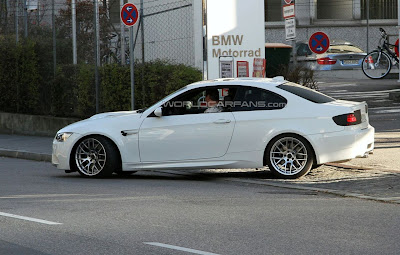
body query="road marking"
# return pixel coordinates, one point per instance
(178, 248)
(386, 111)
(49, 196)
(29, 219)
(380, 110)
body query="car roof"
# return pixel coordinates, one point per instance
(245, 81)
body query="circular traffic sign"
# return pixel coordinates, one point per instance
(288, 1)
(319, 42)
(129, 14)
(396, 47)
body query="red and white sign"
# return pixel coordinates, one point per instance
(259, 65)
(396, 47)
(224, 92)
(288, 11)
(288, 1)
(242, 68)
(129, 14)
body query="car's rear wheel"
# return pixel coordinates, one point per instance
(289, 156)
(96, 156)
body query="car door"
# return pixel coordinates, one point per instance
(185, 134)
(258, 113)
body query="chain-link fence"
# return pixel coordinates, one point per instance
(37, 74)
(167, 34)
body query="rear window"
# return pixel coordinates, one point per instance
(343, 48)
(306, 93)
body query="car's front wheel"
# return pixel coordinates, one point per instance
(289, 156)
(96, 156)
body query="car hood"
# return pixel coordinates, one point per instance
(101, 121)
(113, 114)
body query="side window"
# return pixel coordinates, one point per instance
(255, 99)
(303, 50)
(201, 100)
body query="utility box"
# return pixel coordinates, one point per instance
(278, 58)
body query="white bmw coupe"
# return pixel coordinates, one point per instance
(224, 123)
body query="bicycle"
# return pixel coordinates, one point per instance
(378, 63)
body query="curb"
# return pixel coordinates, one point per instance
(47, 158)
(394, 200)
(25, 155)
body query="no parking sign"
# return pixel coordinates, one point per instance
(319, 42)
(129, 14)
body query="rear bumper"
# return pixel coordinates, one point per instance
(343, 145)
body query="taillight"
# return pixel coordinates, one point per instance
(326, 61)
(348, 119)
(351, 118)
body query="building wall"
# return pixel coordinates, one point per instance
(340, 19)
(355, 34)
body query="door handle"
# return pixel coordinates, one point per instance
(222, 121)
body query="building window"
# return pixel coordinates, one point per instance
(273, 10)
(379, 9)
(338, 9)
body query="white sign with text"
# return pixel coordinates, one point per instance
(290, 28)
(236, 29)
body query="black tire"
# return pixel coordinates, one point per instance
(376, 70)
(289, 149)
(95, 157)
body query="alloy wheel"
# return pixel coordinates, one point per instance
(288, 156)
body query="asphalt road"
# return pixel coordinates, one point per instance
(162, 213)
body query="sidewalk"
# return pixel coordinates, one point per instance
(375, 178)
(26, 147)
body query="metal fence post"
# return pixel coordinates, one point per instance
(16, 20)
(142, 35)
(96, 54)
(74, 50)
(53, 27)
(25, 19)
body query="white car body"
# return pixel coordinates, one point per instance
(224, 139)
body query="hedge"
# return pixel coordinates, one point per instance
(28, 84)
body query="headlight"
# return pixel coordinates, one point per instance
(62, 137)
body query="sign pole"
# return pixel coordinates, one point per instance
(398, 26)
(289, 14)
(129, 16)
(131, 62)
(122, 38)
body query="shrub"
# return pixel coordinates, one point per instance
(28, 84)
(19, 77)
(300, 74)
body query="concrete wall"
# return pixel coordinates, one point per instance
(11, 123)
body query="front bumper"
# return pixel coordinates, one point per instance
(62, 151)
(343, 145)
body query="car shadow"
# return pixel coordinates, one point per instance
(179, 175)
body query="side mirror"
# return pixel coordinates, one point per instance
(158, 112)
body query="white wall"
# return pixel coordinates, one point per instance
(234, 19)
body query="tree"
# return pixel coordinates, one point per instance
(85, 29)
